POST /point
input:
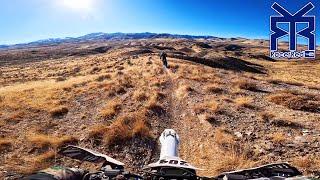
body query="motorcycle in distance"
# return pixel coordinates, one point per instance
(169, 165)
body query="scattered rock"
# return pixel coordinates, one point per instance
(238, 135)
(299, 139)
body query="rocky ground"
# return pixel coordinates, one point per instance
(232, 106)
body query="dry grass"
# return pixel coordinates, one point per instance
(301, 72)
(118, 131)
(2, 123)
(44, 158)
(195, 74)
(154, 105)
(39, 95)
(140, 95)
(232, 160)
(44, 141)
(183, 91)
(212, 106)
(5, 144)
(111, 109)
(267, 116)
(278, 137)
(15, 117)
(59, 111)
(117, 76)
(120, 86)
(122, 129)
(103, 77)
(97, 131)
(290, 82)
(238, 157)
(223, 138)
(126, 81)
(226, 99)
(127, 127)
(244, 102)
(314, 87)
(286, 123)
(296, 101)
(214, 89)
(308, 164)
(246, 85)
(36, 163)
(58, 79)
(140, 127)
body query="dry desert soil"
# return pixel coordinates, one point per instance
(232, 106)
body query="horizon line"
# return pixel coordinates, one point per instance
(182, 34)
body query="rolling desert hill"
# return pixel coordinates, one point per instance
(232, 106)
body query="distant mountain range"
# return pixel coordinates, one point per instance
(103, 37)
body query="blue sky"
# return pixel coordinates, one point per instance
(30, 20)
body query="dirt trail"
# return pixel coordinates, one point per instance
(175, 110)
(196, 135)
(172, 100)
(187, 125)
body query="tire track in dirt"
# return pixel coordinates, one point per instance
(176, 107)
(169, 116)
(172, 102)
